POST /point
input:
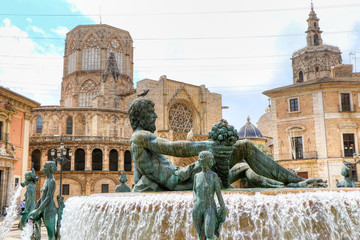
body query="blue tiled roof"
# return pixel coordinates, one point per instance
(249, 131)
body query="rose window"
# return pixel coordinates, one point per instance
(180, 118)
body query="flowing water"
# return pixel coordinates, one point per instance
(303, 215)
(27, 231)
(12, 212)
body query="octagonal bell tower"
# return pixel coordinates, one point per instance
(98, 67)
(316, 59)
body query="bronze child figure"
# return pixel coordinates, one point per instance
(206, 218)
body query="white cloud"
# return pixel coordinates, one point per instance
(38, 30)
(61, 30)
(29, 20)
(24, 70)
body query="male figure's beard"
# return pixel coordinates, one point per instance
(150, 127)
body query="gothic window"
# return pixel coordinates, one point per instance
(114, 126)
(79, 159)
(72, 62)
(349, 144)
(97, 160)
(113, 160)
(39, 124)
(69, 126)
(91, 54)
(301, 77)
(127, 161)
(316, 40)
(181, 118)
(35, 159)
(297, 147)
(87, 91)
(67, 95)
(114, 47)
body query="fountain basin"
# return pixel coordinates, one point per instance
(251, 214)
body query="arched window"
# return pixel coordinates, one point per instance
(69, 125)
(114, 126)
(301, 77)
(91, 54)
(97, 160)
(127, 161)
(79, 159)
(72, 58)
(67, 166)
(113, 160)
(87, 92)
(35, 159)
(316, 40)
(181, 117)
(115, 47)
(39, 125)
(317, 69)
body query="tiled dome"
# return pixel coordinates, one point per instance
(249, 131)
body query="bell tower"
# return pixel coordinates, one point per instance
(316, 59)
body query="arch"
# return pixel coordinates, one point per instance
(181, 117)
(80, 123)
(79, 159)
(127, 161)
(73, 178)
(67, 165)
(53, 126)
(113, 160)
(97, 159)
(68, 95)
(317, 68)
(93, 182)
(301, 77)
(295, 128)
(316, 40)
(35, 159)
(88, 91)
(91, 53)
(69, 126)
(114, 123)
(39, 125)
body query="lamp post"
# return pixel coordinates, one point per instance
(61, 159)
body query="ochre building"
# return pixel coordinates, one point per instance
(92, 118)
(315, 121)
(14, 142)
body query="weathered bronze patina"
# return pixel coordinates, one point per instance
(122, 187)
(154, 172)
(206, 218)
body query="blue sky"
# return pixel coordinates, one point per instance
(236, 48)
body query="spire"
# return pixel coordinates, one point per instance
(111, 68)
(313, 37)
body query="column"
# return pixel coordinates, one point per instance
(72, 158)
(121, 160)
(88, 155)
(105, 165)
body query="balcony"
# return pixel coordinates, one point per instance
(78, 139)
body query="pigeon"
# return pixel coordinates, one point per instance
(190, 135)
(143, 93)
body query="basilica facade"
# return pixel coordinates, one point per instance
(92, 119)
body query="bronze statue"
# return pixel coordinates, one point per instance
(122, 187)
(154, 172)
(29, 183)
(346, 182)
(45, 206)
(207, 220)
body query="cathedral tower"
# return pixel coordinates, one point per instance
(316, 59)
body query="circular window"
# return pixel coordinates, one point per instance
(180, 118)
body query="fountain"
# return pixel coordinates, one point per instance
(11, 213)
(251, 214)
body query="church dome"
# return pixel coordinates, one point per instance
(249, 131)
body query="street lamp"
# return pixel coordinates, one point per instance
(61, 159)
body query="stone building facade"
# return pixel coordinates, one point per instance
(14, 141)
(92, 118)
(315, 122)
